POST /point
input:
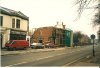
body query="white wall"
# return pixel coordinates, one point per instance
(7, 22)
(23, 24)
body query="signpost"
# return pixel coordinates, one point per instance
(93, 37)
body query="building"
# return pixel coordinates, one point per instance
(42, 34)
(55, 35)
(14, 25)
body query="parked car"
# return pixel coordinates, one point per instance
(16, 44)
(50, 45)
(36, 45)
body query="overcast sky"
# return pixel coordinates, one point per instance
(47, 12)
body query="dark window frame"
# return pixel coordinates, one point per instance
(13, 23)
(17, 23)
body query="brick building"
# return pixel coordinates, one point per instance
(49, 35)
(55, 35)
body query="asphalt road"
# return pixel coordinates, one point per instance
(52, 58)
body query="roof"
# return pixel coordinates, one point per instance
(10, 12)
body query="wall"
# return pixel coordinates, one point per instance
(23, 24)
(7, 22)
(45, 33)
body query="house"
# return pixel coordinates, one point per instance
(14, 25)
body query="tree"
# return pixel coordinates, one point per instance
(86, 4)
(77, 37)
(96, 20)
(80, 38)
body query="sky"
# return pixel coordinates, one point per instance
(43, 13)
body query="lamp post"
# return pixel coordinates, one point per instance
(93, 37)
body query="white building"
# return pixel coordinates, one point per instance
(14, 25)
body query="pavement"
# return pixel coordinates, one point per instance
(89, 60)
(29, 50)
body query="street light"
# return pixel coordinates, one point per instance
(93, 37)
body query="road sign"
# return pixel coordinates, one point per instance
(92, 36)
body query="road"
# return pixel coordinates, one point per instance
(52, 58)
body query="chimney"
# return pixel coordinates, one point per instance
(62, 23)
(57, 22)
(64, 26)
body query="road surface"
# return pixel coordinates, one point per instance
(53, 58)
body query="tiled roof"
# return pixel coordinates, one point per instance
(10, 12)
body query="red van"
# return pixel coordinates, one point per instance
(17, 44)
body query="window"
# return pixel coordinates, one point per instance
(17, 23)
(1, 20)
(13, 42)
(13, 23)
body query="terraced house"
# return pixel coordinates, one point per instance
(14, 25)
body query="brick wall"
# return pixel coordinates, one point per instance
(44, 33)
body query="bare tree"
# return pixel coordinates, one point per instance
(96, 20)
(87, 4)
